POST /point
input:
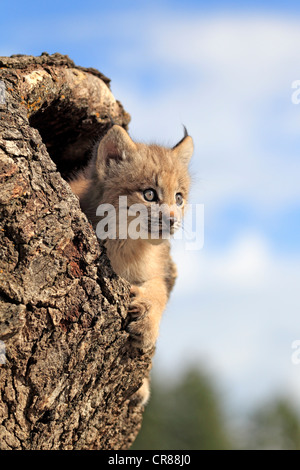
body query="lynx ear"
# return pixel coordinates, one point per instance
(116, 146)
(184, 149)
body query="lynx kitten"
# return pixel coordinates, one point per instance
(158, 178)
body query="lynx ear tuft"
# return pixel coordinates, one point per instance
(115, 146)
(185, 148)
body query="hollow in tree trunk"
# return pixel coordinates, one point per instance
(68, 372)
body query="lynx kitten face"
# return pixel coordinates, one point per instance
(154, 179)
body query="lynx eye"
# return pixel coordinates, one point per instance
(179, 199)
(150, 195)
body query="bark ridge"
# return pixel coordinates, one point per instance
(67, 368)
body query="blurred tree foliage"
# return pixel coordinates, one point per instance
(275, 426)
(190, 415)
(184, 416)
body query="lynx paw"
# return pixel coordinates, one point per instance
(141, 329)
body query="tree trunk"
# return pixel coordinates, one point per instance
(68, 371)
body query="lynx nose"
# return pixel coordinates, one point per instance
(172, 219)
(168, 221)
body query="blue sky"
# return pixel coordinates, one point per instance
(225, 70)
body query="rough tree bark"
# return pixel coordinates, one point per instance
(68, 373)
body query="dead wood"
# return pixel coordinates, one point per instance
(67, 367)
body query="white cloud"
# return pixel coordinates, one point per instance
(238, 313)
(244, 267)
(240, 47)
(233, 91)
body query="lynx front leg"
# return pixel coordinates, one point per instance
(147, 304)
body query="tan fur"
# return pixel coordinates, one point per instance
(120, 167)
